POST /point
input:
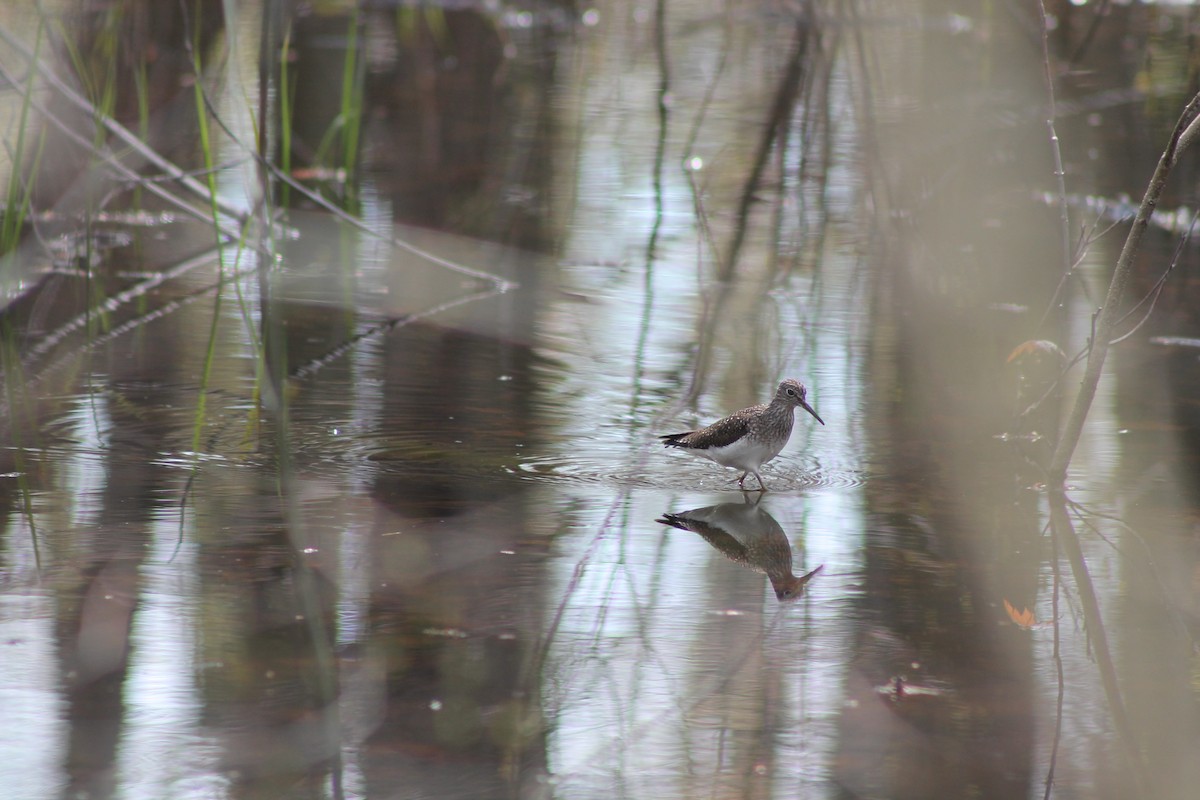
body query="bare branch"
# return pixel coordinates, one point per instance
(1110, 313)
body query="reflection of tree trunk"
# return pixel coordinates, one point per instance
(464, 133)
(269, 106)
(328, 93)
(454, 612)
(97, 617)
(94, 626)
(1064, 533)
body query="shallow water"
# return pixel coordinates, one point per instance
(447, 556)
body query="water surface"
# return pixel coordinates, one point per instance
(371, 505)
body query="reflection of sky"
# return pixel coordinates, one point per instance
(32, 729)
(83, 476)
(163, 751)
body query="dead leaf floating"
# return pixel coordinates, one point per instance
(1037, 348)
(1023, 619)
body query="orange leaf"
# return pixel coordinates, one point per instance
(1039, 347)
(1023, 618)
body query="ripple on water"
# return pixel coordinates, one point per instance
(694, 474)
(592, 470)
(604, 464)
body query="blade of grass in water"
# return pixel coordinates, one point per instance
(141, 86)
(345, 130)
(352, 87)
(286, 101)
(210, 177)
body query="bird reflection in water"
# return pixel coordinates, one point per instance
(746, 533)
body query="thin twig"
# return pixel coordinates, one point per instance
(1059, 172)
(1156, 290)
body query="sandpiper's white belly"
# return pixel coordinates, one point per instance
(746, 453)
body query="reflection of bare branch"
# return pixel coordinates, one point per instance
(781, 110)
(656, 178)
(817, 138)
(1083, 514)
(706, 328)
(1058, 669)
(543, 651)
(1064, 534)
(706, 101)
(870, 135)
(1099, 14)
(112, 303)
(378, 329)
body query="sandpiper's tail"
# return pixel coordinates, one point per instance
(674, 439)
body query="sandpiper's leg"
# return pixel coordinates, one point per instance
(762, 487)
(742, 480)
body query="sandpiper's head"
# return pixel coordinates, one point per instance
(793, 392)
(788, 588)
(791, 586)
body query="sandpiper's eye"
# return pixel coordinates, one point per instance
(791, 392)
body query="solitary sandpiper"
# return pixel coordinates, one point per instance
(748, 438)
